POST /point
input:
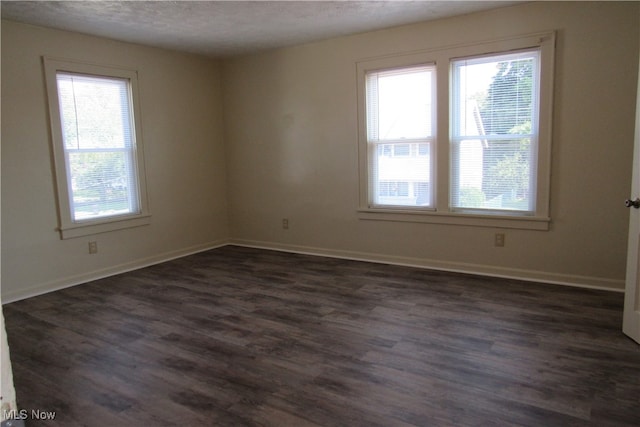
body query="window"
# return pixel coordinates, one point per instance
(97, 148)
(487, 163)
(494, 109)
(400, 130)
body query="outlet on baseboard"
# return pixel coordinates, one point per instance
(499, 240)
(93, 247)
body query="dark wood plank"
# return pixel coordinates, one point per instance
(239, 336)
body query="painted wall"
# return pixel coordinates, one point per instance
(290, 141)
(181, 121)
(291, 135)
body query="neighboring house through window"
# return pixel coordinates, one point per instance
(487, 163)
(399, 133)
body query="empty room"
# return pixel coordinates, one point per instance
(320, 213)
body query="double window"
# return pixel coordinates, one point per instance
(97, 148)
(458, 135)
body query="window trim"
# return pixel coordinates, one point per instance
(67, 227)
(442, 213)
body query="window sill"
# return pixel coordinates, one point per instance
(71, 231)
(453, 218)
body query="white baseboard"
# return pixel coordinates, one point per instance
(67, 282)
(589, 282)
(458, 267)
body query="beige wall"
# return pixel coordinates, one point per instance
(290, 141)
(186, 177)
(291, 137)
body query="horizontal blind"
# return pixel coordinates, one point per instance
(494, 111)
(99, 145)
(400, 129)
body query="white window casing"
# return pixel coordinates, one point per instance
(97, 147)
(458, 193)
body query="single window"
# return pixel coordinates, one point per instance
(494, 141)
(400, 116)
(97, 148)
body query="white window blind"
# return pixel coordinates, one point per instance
(494, 137)
(99, 146)
(400, 136)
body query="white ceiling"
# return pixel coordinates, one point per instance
(225, 28)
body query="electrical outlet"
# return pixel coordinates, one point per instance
(499, 240)
(93, 247)
(285, 223)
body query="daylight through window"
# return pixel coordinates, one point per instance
(99, 146)
(458, 135)
(494, 103)
(400, 135)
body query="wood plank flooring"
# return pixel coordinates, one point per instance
(237, 336)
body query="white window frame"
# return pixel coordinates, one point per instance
(67, 226)
(374, 142)
(441, 212)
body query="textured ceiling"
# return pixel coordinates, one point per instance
(224, 28)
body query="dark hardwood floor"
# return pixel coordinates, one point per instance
(239, 336)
